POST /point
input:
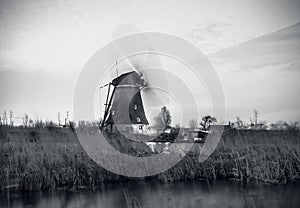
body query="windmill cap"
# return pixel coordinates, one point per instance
(129, 78)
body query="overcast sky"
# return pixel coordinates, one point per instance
(254, 46)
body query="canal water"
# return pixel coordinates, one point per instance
(148, 194)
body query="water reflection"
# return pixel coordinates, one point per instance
(146, 194)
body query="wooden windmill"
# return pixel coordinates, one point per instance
(124, 106)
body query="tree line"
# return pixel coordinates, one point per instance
(162, 121)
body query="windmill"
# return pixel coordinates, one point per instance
(124, 105)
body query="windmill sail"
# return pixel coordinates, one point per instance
(127, 105)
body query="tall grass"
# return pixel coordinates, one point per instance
(268, 156)
(41, 158)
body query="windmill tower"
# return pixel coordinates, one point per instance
(124, 108)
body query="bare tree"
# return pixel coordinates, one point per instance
(239, 123)
(193, 123)
(25, 120)
(254, 121)
(163, 119)
(67, 119)
(58, 118)
(11, 121)
(4, 117)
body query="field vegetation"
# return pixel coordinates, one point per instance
(47, 157)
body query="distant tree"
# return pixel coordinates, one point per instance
(177, 126)
(254, 119)
(207, 121)
(31, 123)
(38, 123)
(4, 117)
(274, 126)
(255, 116)
(193, 123)
(283, 125)
(67, 118)
(50, 125)
(293, 126)
(11, 121)
(58, 118)
(239, 123)
(163, 119)
(25, 120)
(82, 124)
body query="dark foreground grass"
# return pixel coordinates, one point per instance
(42, 158)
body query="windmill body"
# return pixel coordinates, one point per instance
(124, 107)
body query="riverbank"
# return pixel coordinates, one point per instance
(47, 158)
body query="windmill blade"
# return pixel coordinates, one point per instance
(146, 63)
(153, 99)
(156, 86)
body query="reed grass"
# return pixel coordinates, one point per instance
(41, 158)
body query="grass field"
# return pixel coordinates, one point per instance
(43, 158)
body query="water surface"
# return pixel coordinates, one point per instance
(149, 194)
